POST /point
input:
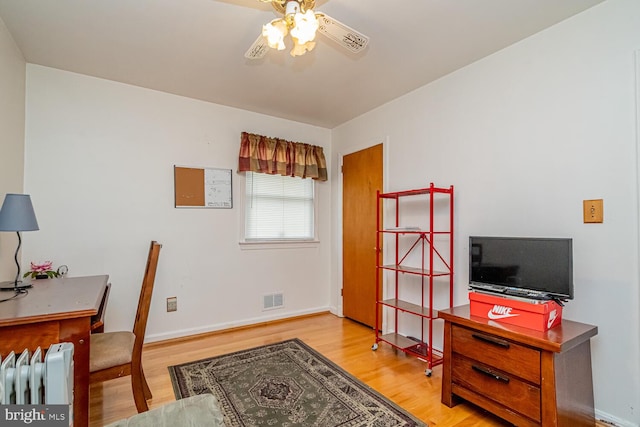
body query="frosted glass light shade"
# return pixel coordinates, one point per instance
(305, 26)
(275, 31)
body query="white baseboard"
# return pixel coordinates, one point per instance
(613, 421)
(337, 311)
(181, 333)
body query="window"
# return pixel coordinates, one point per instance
(278, 208)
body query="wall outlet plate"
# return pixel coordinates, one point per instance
(172, 304)
(593, 211)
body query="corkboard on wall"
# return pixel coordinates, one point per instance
(189, 186)
(202, 187)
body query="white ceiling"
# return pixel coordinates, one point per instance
(195, 48)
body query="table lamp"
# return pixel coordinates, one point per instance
(17, 215)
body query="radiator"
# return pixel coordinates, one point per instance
(27, 379)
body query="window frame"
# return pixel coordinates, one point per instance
(274, 243)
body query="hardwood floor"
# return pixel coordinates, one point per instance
(399, 377)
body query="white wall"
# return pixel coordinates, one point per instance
(524, 136)
(99, 166)
(12, 84)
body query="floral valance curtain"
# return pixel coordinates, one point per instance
(276, 156)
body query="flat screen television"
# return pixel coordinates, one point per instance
(529, 267)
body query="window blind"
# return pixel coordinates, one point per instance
(278, 207)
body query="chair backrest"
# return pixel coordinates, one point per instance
(140, 324)
(97, 321)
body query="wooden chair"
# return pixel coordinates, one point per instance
(118, 354)
(97, 321)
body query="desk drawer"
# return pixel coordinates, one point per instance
(497, 352)
(499, 386)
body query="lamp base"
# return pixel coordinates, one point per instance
(14, 286)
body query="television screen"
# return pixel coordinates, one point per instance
(530, 267)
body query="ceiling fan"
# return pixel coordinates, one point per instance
(301, 22)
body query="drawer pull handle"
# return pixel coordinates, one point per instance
(490, 373)
(490, 340)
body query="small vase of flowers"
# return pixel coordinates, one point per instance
(41, 271)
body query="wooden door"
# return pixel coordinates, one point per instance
(361, 178)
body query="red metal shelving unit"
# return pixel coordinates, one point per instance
(412, 240)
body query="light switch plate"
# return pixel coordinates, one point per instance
(593, 211)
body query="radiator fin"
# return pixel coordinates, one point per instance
(28, 380)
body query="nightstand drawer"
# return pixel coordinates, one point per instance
(501, 387)
(497, 352)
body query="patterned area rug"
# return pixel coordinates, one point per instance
(286, 384)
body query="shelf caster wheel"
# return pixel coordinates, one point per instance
(374, 347)
(428, 372)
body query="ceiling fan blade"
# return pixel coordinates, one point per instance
(258, 49)
(342, 34)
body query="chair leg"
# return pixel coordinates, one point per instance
(138, 384)
(145, 385)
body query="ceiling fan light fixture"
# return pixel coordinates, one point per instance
(300, 49)
(305, 26)
(275, 32)
(300, 20)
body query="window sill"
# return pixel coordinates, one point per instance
(278, 244)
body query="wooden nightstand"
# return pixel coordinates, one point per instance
(527, 377)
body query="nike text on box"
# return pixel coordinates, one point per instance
(540, 316)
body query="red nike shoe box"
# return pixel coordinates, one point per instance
(540, 316)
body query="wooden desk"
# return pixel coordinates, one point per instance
(527, 377)
(54, 311)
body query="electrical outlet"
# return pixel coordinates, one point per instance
(593, 211)
(172, 304)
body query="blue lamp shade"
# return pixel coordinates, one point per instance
(17, 213)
